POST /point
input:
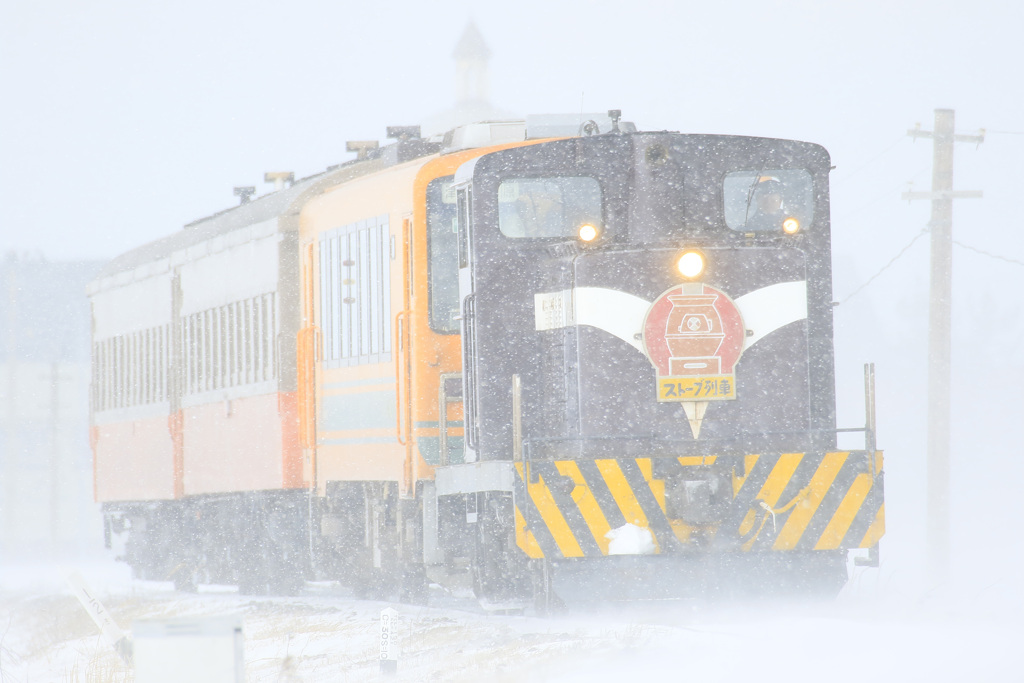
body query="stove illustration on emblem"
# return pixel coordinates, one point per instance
(693, 335)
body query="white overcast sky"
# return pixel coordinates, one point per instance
(122, 121)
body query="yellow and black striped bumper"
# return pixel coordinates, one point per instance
(779, 502)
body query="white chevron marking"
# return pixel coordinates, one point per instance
(622, 315)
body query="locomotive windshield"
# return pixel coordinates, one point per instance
(762, 200)
(443, 256)
(548, 207)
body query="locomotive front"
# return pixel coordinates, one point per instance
(648, 369)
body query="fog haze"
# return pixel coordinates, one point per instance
(124, 121)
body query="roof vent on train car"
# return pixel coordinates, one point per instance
(576, 125)
(279, 178)
(408, 145)
(245, 193)
(484, 135)
(403, 133)
(362, 148)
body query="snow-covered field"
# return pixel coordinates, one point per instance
(323, 635)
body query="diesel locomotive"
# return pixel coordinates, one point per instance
(525, 357)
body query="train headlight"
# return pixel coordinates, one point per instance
(691, 264)
(791, 226)
(588, 233)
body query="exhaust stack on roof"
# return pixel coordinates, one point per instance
(403, 132)
(279, 178)
(361, 147)
(244, 193)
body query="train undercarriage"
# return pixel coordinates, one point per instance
(505, 545)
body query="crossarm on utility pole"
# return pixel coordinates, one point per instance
(951, 194)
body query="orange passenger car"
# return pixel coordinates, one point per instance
(266, 381)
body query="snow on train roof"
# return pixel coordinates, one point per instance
(260, 215)
(251, 213)
(156, 256)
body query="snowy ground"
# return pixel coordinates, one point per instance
(323, 635)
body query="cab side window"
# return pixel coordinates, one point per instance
(534, 208)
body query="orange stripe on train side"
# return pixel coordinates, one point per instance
(291, 449)
(176, 425)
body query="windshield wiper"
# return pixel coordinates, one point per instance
(750, 190)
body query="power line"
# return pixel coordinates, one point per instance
(910, 244)
(988, 253)
(878, 197)
(886, 266)
(867, 164)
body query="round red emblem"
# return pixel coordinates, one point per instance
(693, 334)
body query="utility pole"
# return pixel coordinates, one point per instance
(939, 327)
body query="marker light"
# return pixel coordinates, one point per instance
(791, 226)
(691, 264)
(588, 233)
